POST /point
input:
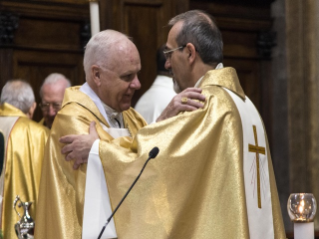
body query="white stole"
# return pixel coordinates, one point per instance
(97, 207)
(260, 219)
(6, 125)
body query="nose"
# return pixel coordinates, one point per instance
(52, 111)
(135, 84)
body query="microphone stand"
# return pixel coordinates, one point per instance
(152, 154)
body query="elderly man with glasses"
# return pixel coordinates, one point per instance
(52, 93)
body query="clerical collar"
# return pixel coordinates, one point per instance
(219, 66)
(86, 89)
(116, 118)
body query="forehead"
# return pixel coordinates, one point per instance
(125, 57)
(172, 35)
(53, 91)
(58, 86)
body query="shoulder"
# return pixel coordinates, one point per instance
(72, 108)
(85, 110)
(29, 126)
(73, 112)
(219, 102)
(73, 118)
(134, 116)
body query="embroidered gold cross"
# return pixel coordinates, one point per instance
(258, 150)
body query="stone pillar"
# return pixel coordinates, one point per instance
(280, 149)
(296, 99)
(302, 31)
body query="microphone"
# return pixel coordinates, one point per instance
(152, 154)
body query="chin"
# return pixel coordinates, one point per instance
(177, 89)
(125, 107)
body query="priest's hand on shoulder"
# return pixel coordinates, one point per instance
(188, 100)
(78, 147)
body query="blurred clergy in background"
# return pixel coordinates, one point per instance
(52, 93)
(22, 143)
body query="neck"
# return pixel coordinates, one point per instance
(109, 109)
(201, 70)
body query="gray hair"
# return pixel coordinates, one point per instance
(54, 78)
(97, 50)
(19, 94)
(200, 29)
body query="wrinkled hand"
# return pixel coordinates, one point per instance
(184, 101)
(78, 147)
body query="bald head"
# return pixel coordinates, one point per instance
(101, 49)
(55, 79)
(111, 63)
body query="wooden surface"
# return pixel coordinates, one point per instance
(47, 40)
(146, 22)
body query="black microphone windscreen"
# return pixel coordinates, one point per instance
(153, 153)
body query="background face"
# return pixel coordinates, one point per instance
(52, 94)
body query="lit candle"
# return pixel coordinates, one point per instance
(95, 16)
(302, 209)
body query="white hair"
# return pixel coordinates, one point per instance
(19, 94)
(98, 49)
(54, 78)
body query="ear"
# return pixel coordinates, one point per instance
(95, 71)
(31, 110)
(191, 51)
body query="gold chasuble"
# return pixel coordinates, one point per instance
(42, 122)
(61, 198)
(196, 186)
(24, 143)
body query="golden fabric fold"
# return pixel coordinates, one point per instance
(23, 163)
(61, 199)
(42, 122)
(195, 186)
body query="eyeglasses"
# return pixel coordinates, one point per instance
(168, 53)
(46, 106)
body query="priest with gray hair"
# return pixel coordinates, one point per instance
(20, 95)
(22, 144)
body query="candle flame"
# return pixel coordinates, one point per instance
(300, 209)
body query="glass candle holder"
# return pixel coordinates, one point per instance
(301, 207)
